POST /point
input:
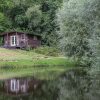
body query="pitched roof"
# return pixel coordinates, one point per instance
(4, 33)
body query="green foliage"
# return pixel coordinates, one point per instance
(48, 24)
(79, 22)
(34, 16)
(74, 30)
(4, 22)
(47, 69)
(37, 17)
(77, 84)
(48, 51)
(92, 8)
(1, 41)
(28, 48)
(21, 21)
(48, 91)
(15, 63)
(5, 5)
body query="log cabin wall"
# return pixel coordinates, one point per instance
(7, 40)
(34, 41)
(24, 40)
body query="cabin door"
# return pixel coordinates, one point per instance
(13, 41)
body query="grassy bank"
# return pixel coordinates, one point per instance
(16, 63)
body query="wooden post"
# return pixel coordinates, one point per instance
(26, 39)
(16, 39)
(7, 40)
(7, 88)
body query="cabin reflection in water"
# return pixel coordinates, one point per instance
(18, 86)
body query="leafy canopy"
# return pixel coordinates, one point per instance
(35, 16)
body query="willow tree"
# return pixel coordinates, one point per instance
(79, 27)
(79, 22)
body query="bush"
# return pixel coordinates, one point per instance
(1, 41)
(48, 51)
(28, 48)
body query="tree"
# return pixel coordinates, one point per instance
(79, 22)
(5, 6)
(92, 16)
(74, 30)
(34, 15)
(4, 22)
(48, 23)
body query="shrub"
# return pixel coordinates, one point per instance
(28, 48)
(48, 51)
(1, 41)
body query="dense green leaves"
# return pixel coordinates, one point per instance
(35, 16)
(74, 31)
(4, 22)
(79, 22)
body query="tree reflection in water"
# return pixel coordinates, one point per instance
(78, 85)
(75, 84)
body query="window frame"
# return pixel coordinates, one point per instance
(14, 85)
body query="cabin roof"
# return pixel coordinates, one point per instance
(4, 33)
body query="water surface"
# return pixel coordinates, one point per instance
(75, 84)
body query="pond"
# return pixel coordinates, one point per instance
(75, 84)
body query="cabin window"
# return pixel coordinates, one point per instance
(23, 36)
(14, 85)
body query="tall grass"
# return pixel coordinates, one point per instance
(14, 63)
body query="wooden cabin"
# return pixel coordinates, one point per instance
(20, 86)
(20, 40)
